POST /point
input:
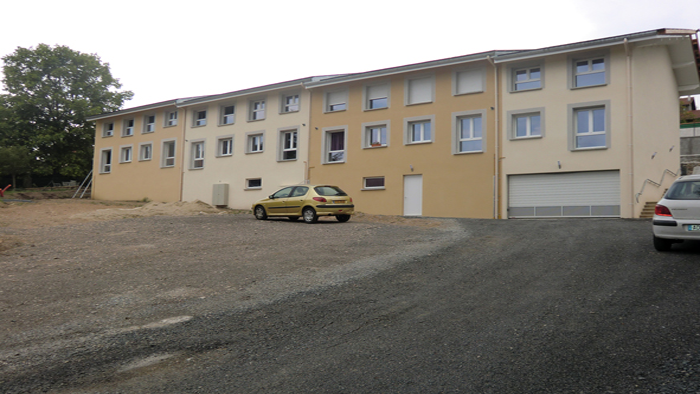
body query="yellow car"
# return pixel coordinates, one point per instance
(306, 201)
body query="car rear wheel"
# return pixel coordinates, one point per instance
(662, 244)
(309, 215)
(342, 218)
(260, 213)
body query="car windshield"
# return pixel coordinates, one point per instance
(689, 190)
(329, 191)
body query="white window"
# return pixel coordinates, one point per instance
(253, 183)
(145, 151)
(290, 103)
(200, 118)
(224, 146)
(125, 154)
(334, 145)
(197, 155)
(105, 161)
(170, 118)
(288, 144)
(526, 123)
(590, 71)
(377, 96)
(376, 182)
(418, 130)
(257, 110)
(336, 100)
(168, 154)
(228, 114)
(108, 129)
(468, 81)
(469, 134)
(590, 127)
(255, 142)
(149, 123)
(419, 90)
(128, 128)
(527, 78)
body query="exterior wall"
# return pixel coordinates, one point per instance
(690, 148)
(240, 166)
(656, 118)
(454, 185)
(138, 179)
(551, 153)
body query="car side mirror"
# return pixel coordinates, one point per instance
(271, 197)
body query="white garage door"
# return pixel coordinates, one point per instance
(573, 194)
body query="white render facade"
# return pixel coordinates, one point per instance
(590, 129)
(242, 146)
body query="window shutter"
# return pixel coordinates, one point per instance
(420, 90)
(469, 82)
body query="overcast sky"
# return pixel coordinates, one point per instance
(165, 50)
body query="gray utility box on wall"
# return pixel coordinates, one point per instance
(220, 195)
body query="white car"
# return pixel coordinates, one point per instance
(677, 215)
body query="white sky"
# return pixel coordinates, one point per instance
(164, 50)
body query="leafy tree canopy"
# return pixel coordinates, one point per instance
(50, 92)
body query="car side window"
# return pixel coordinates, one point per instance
(300, 191)
(283, 193)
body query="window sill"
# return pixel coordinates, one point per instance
(419, 142)
(125, 136)
(253, 188)
(332, 112)
(375, 147)
(145, 159)
(335, 162)
(169, 125)
(532, 137)
(107, 136)
(198, 126)
(589, 86)
(288, 112)
(591, 148)
(226, 124)
(196, 169)
(374, 109)
(468, 93)
(253, 153)
(469, 152)
(285, 160)
(124, 162)
(525, 90)
(423, 102)
(368, 189)
(255, 120)
(229, 155)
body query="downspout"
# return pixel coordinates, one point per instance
(182, 161)
(630, 126)
(496, 155)
(307, 163)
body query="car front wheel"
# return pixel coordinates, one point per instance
(309, 215)
(260, 213)
(662, 244)
(342, 218)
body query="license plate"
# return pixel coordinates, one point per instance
(694, 227)
(338, 201)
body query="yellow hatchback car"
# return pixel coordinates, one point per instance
(306, 201)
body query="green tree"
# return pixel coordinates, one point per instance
(50, 92)
(15, 160)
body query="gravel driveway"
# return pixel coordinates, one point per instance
(224, 303)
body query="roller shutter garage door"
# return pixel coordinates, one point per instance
(573, 194)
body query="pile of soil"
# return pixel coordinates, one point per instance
(181, 208)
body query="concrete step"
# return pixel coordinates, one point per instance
(648, 210)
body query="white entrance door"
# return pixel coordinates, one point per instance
(413, 195)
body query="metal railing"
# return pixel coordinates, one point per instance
(674, 174)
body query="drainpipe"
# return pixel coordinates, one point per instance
(630, 126)
(307, 163)
(182, 156)
(496, 155)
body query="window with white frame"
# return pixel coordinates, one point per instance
(255, 142)
(149, 123)
(145, 151)
(592, 71)
(527, 78)
(128, 128)
(253, 183)
(290, 103)
(125, 154)
(224, 146)
(197, 155)
(168, 154)
(468, 81)
(288, 145)
(170, 118)
(590, 128)
(108, 129)
(468, 129)
(336, 100)
(105, 161)
(525, 123)
(377, 96)
(257, 110)
(419, 90)
(375, 182)
(418, 130)
(376, 136)
(228, 114)
(334, 145)
(200, 118)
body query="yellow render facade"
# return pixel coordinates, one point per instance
(416, 140)
(138, 154)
